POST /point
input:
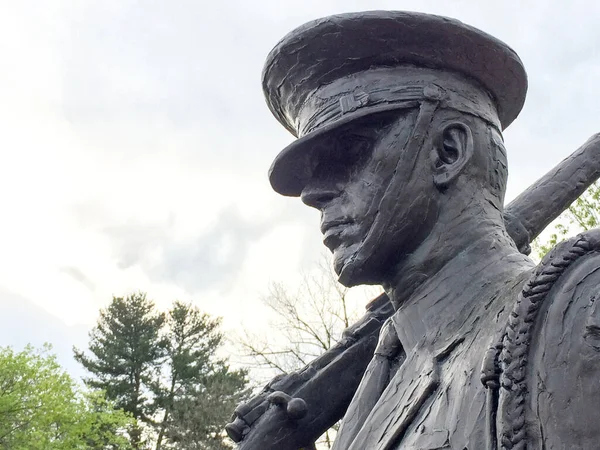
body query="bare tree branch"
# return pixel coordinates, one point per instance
(309, 320)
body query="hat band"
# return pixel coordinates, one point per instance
(460, 98)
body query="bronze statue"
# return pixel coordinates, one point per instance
(399, 118)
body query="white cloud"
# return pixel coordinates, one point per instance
(136, 142)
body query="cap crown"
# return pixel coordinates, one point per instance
(325, 50)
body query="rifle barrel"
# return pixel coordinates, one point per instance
(548, 197)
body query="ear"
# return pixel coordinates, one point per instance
(453, 149)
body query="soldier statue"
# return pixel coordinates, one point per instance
(399, 119)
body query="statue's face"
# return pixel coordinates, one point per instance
(350, 178)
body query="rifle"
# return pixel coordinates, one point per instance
(293, 410)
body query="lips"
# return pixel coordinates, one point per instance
(332, 230)
(330, 224)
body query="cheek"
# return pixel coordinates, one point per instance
(360, 198)
(367, 188)
(415, 217)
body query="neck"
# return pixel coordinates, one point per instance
(460, 253)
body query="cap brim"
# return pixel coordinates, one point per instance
(292, 168)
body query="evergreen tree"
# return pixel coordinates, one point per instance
(127, 350)
(200, 389)
(199, 415)
(163, 370)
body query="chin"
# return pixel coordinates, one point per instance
(338, 264)
(351, 272)
(342, 259)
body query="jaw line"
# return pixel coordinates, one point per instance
(350, 268)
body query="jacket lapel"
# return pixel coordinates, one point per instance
(416, 380)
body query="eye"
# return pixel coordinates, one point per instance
(344, 155)
(352, 148)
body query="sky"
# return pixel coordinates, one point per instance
(135, 145)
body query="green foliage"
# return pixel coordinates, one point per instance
(164, 371)
(42, 408)
(582, 215)
(127, 350)
(102, 425)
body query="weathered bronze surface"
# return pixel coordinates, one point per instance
(399, 118)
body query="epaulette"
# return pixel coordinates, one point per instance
(505, 366)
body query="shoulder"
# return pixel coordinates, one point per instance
(564, 353)
(568, 321)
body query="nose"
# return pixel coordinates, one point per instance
(317, 195)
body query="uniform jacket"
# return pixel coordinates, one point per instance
(542, 328)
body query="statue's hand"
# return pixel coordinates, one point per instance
(246, 414)
(295, 408)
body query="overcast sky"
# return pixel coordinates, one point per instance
(135, 145)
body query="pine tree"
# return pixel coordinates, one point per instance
(201, 390)
(127, 350)
(163, 370)
(199, 415)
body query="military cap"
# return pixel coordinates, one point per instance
(334, 70)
